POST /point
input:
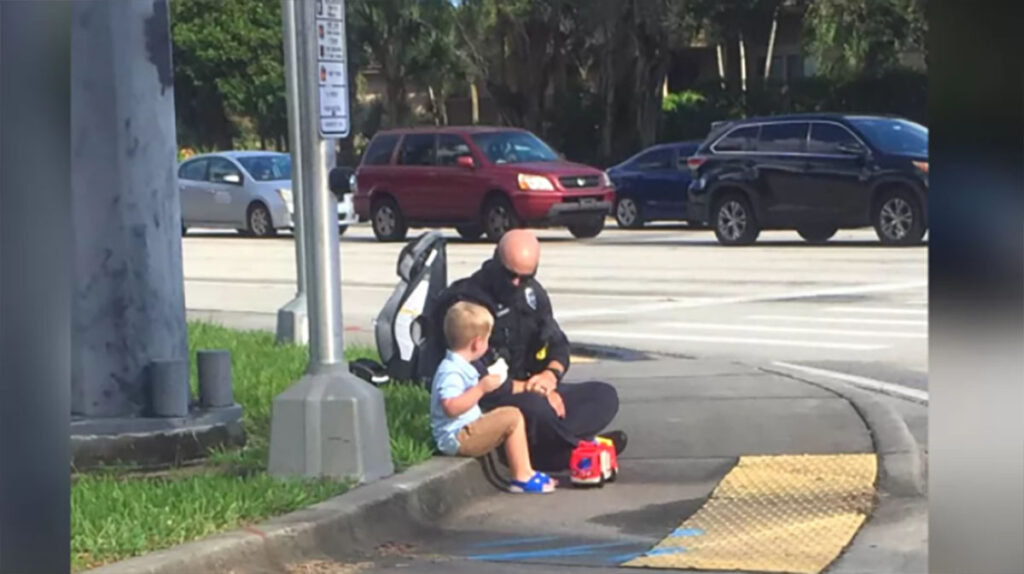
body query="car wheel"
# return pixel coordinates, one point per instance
(587, 229)
(469, 232)
(898, 218)
(259, 222)
(734, 221)
(184, 230)
(342, 229)
(627, 213)
(817, 233)
(388, 221)
(499, 217)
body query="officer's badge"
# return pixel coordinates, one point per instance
(531, 297)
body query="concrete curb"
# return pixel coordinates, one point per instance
(900, 459)
(361, 518)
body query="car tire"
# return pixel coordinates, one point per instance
(587, 229)
(342, 229)
(627, 213)
(898, 218)
(387, 220)
(184, 230)
(499, 217)
(259, 222)
(469, 232)
(817, 233)
(734, 221)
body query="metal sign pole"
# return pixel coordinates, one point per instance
(330, 423)
(293, 318)
(322, 53)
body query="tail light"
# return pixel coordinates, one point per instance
(695, 162)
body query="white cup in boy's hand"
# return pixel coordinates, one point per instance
(500, 368)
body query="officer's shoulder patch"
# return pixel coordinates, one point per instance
(531, 297)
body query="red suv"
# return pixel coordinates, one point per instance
(479, 180)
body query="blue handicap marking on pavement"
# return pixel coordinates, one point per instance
(515, 542)
(678, 532)
(666, 550)
(556, 552)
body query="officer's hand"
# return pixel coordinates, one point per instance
(491, 383)
(543, 383)
(557, 403)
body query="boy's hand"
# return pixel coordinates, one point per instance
(491, 383)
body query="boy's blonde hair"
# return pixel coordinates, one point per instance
(464, 322)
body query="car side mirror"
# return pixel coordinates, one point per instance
(339, 180)
(232, 178)
(850, 148)
(465, 161)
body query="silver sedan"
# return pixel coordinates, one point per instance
(245, 190)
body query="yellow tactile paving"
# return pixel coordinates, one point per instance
(774, 514)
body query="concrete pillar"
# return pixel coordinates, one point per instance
(129, 307)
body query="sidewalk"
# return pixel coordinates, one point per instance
(694, 426)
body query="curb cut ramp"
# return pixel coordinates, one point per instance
(791, 514)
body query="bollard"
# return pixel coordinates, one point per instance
(168, 381)
(215, 379)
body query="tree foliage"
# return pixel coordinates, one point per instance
(863, 37)
(229, 70)
(587, 75)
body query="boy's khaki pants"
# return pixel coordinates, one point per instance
(488, 432)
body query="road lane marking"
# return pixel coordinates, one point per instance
(878, 310)
(582, 334)
(566, 293)
(853, 321)
(634, 309)
(768, 329)
(900, 391)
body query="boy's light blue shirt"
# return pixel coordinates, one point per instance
(453, 377)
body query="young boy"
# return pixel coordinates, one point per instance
(459, 426)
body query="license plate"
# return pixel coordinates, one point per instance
(588, 201)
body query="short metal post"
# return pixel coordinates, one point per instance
(169, 387)
(214, 367)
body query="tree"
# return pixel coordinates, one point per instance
(848, 38)
(229, 66)
(398, 36)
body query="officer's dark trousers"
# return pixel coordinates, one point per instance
(589, 408)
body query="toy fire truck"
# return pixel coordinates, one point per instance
(594, 463)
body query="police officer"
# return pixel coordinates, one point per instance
(558, 415)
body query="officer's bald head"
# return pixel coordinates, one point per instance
(519, 252)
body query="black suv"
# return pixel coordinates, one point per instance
(812, 173)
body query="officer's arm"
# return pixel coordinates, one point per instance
(557, 342)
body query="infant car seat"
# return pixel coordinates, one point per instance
(400, 328)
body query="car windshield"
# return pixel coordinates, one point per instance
(513, 147)
(894, 136)
(268, 167)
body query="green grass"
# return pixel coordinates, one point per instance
(115, 515)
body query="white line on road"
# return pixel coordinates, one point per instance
(900, 391)
(852, 321)
(566, 293)
(769, 329)
(634, 309)
(878, 310)
(583, 334)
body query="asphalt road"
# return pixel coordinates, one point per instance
(850, 306)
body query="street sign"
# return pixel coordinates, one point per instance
(332, 68)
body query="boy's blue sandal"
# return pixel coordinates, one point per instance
(539, 483)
